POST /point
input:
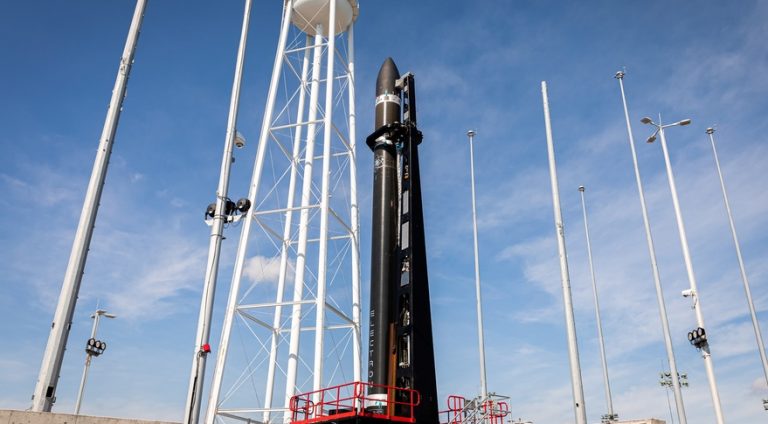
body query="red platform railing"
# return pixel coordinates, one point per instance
(495, 411)
(455, 412)
(351, 399)
(461, 411)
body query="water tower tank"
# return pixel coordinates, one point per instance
(307, 14)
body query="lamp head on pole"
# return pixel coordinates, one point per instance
(710, 130)
(471, 133)
(684, 122)
(646, 120)
(103, 313)
(581, 189)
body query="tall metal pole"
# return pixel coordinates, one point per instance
(96, 315)
(747, 291)
(202, 347)
(654, 267)
(82, 383)
(226, 332)
(45, 389)
(304, 216)
(573, 349)
(480, 335)
(286, 242)
(354, 210)
(322, 253)
(705, 353)
(608, 398)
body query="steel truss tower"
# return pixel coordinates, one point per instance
(292, 322)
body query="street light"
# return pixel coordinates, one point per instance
(700, 343)
(93, 347)
(758, 335)
(666, 381)
(654, 267)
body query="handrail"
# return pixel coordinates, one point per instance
(350, 399)
(476, 411)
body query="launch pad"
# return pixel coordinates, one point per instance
(349, 403)
(353, 403)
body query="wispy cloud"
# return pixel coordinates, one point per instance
(261, 269)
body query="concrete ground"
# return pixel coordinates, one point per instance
(8, 416)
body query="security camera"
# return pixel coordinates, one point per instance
(239, 140)
(688, 293)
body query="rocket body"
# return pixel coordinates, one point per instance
(384, 226)
(401, 361)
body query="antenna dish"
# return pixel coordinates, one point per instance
(308, 14)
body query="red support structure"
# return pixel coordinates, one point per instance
(350, 400)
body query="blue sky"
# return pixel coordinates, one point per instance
(479, 65)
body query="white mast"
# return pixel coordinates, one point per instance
(45, 389)
(654, 265)
(478, 299)
(610, 416)
(742, 268)
(577, 387)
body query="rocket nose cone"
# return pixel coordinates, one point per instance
(388, 74)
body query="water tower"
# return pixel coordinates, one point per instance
(292, 320)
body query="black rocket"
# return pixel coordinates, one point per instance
(400, 348)
(384, 236)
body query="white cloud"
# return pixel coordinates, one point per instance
(260, 269)
(161, 275)
(42, 186)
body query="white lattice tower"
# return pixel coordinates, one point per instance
(292, 322)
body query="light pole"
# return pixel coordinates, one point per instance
(610, 416)
(666, 381)
(93, 347)
(220, 212)
(654, 267)
(700, 339)
(747, 291)
(480, 336)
